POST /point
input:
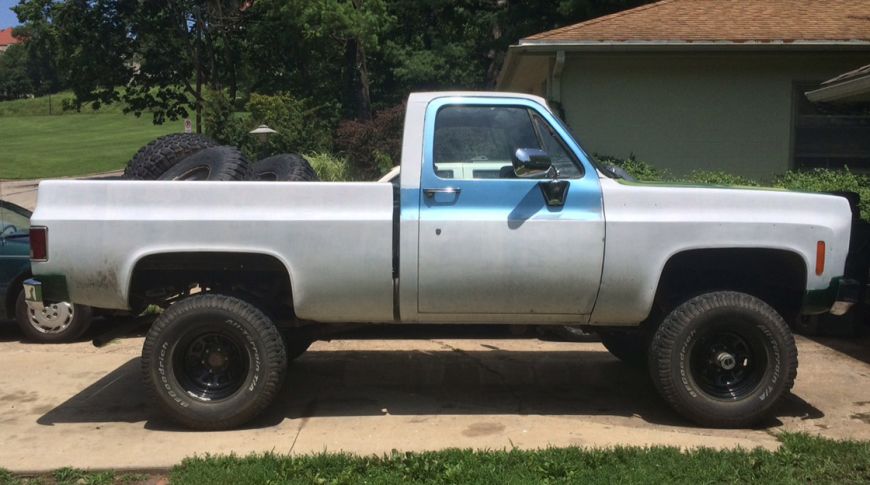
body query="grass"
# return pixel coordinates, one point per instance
(36, 145)
(801, 459)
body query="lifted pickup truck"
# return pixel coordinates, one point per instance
(498, 216)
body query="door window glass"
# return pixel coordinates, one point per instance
(478, 142)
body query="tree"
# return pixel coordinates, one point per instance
(153, 56)
(41, 43)
(14, 82)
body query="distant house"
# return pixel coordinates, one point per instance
(7, 39)
(707, 84)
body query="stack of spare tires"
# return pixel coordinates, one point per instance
(191, 156)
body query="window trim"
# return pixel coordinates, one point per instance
(573, 148)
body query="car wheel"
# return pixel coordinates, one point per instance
(286, 167)
(723, 359)
(155, 158)
(213, 361)
(223, 163)
(55, 323)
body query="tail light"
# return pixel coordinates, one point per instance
(38, 243)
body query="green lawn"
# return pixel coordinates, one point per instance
(801, 459)
(36, 145)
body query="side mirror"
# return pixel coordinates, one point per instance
(531, 162)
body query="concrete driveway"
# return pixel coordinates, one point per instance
(76, 405)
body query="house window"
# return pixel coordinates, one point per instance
(829, 135)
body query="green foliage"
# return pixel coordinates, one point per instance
(801, 459)
(375, 146)
(717, 177)
(332, 168)
(638, 169)
(299, 128)
(825, 180)
(14, 81)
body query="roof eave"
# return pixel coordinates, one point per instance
(591, 46)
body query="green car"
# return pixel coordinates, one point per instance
(59, 322)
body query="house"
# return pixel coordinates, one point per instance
(706, 84)
(7, 39)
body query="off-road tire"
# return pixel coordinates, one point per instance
(79, 323)
(286, 167)
(254, 339)
(221, 163)
(629, 346)
(683, 341)
(155, 158)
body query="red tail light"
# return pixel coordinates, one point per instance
(39, 243)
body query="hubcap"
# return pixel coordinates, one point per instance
(728, 361)
(53, 318)
(211, 366)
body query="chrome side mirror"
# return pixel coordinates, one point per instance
(531, 163)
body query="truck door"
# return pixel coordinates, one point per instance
(489, 242)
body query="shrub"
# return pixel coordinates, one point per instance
(299, 128)
(373, 147)
(826, 180)
(331, 168)
(638, 169)
(718, 178)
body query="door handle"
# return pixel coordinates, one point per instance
(446, 190)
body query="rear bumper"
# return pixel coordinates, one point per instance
(836, 299)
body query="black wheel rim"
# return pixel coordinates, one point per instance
(728, 361)
(211, 365)
(197, 173)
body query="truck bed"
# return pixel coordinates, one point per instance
(334, 238)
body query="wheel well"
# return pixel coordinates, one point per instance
(778, 277)
(160, 279)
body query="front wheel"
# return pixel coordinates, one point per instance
(723, 359)
(213, 361)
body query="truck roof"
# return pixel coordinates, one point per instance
(427, 97)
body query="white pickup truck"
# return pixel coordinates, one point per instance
(498, 216)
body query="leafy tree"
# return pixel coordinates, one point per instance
(14, 82)
(41, 44)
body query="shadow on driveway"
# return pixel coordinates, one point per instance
(444, 382)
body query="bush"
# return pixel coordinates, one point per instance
(331, 168)
(375, 146)
(825, 180)
(299, 128)
(718, 178)
(638, 169)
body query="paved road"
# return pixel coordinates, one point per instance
(75, 405)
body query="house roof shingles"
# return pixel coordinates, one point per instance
(6, 37)
(723, 21)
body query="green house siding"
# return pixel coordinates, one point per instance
(687, 111)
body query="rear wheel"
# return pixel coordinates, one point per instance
(213, 361)
(54, 323)
(723, 359)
